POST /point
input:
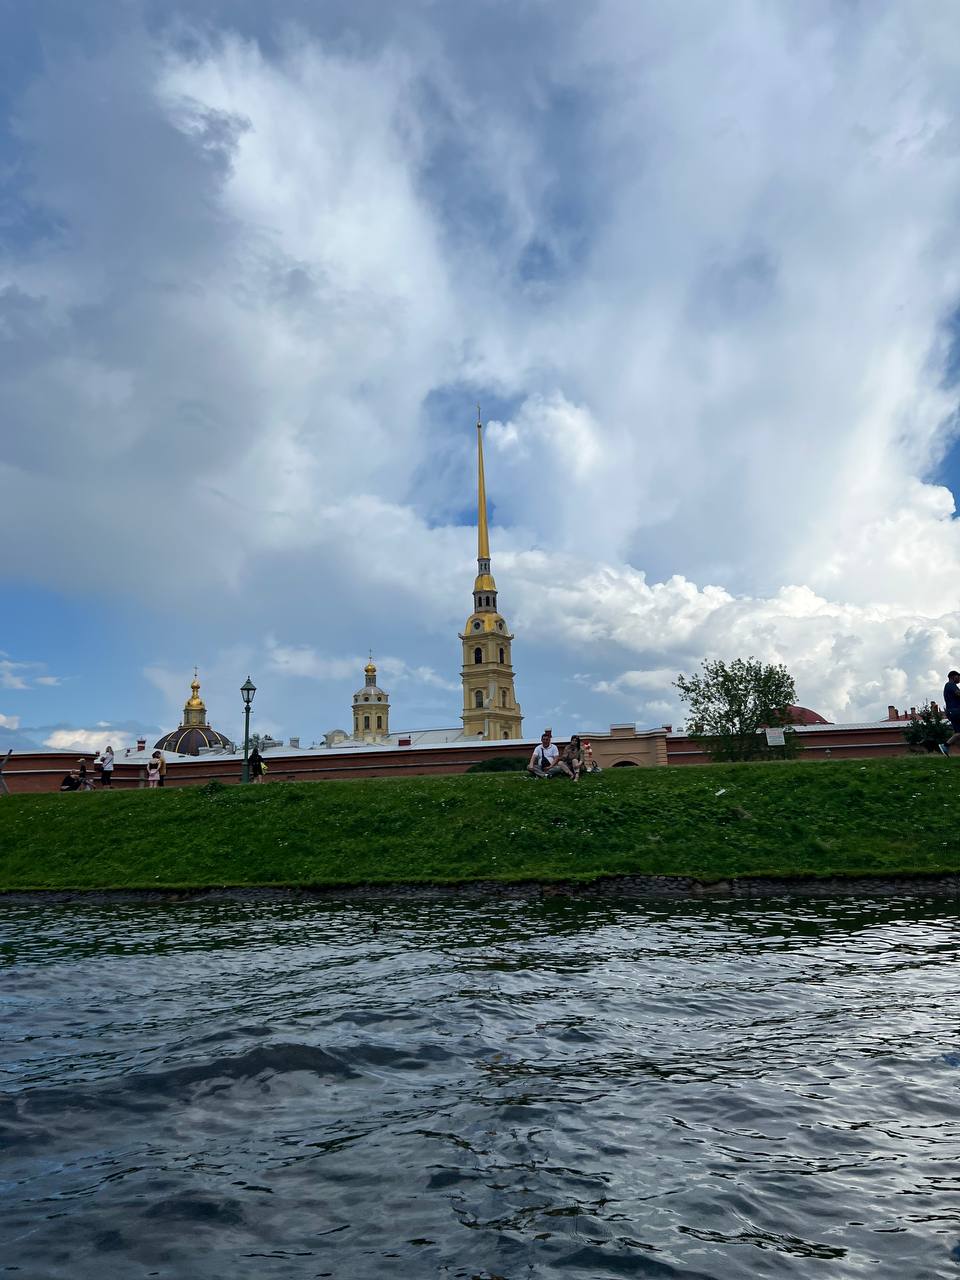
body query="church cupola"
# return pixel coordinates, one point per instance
(193, 732)
(490, 708)
(371, 708)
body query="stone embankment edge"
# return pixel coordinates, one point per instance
(944, 884)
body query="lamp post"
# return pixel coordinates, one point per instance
(247, 690)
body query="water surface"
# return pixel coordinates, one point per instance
(480, 1089)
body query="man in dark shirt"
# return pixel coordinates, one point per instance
(951, 705)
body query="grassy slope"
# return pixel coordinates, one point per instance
(850, 818)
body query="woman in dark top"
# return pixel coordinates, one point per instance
(571, 758)
(256, 765)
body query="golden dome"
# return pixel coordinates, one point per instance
(194, 700)
(370, 669)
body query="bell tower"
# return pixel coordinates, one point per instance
(490, 708)
(371, 708)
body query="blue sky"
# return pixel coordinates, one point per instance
(258, 265)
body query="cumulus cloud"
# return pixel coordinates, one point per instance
(74, 739)
(704, 261)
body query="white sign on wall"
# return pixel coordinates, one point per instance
(775, 738)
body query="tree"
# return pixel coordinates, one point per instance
(927, 727)
(730, 703)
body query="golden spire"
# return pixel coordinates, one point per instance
(483, 540)
(370, 667)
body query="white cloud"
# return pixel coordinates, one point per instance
(715, 320)
(51, 681)
(10, 674)
(88, 739)
(10, 722)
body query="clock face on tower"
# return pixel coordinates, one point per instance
(476, 625)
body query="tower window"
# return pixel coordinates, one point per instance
(478, 698)
(366, 722)
(379, 722)
(478, 655)
(501, 653)
(503, 697)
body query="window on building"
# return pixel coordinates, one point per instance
(478, 698)
(379, 722)
(503, 697)
(501, 653)
(366, 722)
(478, 655)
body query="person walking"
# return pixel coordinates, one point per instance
(544, 755)
(153, 770)
(951, 705)
(257, 767)
(106, 766)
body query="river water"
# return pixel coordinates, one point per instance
(480, 1088)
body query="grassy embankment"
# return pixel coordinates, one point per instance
(887, 817)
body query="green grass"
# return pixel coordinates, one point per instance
(890, 817)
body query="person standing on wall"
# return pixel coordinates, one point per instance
(153, 770)
(951, 705)
(106, 766)
(163, 768)
(257, 767)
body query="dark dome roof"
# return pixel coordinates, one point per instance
(803, 715)
(188, 741)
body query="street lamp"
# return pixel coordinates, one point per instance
(247, 690)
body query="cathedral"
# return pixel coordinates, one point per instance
(490, 708)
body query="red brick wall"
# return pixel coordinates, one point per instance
(44, 770)
(841, 743)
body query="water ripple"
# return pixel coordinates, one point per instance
(480, 1089)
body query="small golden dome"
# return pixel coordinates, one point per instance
(370, 669)
(195, 700)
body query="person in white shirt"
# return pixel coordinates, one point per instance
(106, 767)
(544, 756)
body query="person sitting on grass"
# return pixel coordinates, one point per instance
(544, 756)
(571, 761)
(71, 782)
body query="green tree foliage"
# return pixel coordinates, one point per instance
(731, 703)
(927, 727)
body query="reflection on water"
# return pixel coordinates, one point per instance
(480, 1089)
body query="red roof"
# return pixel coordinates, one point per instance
(803, 715)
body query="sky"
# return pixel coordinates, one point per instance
(698, 264)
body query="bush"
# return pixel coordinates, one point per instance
(500, 764)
